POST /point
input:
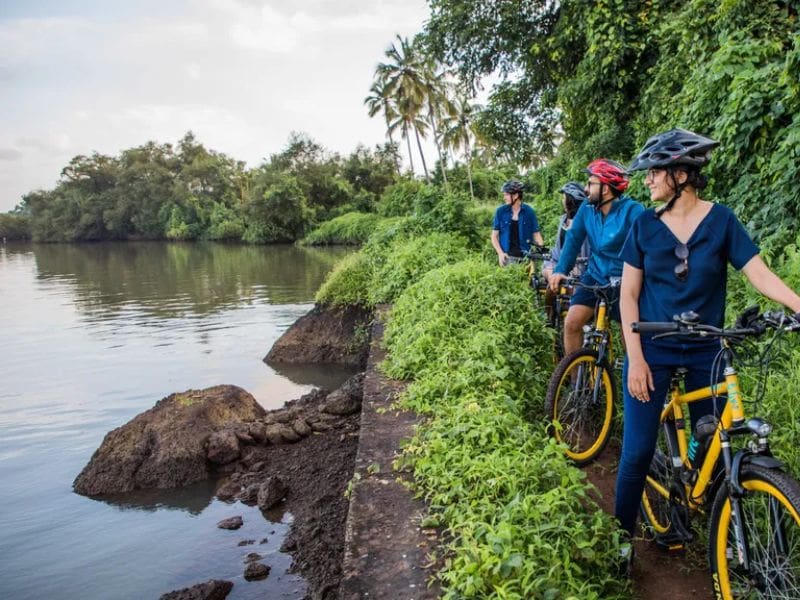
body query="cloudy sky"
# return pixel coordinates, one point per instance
(80, 76)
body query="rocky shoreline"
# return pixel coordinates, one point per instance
(299, 457)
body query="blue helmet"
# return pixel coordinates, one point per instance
(513, 186)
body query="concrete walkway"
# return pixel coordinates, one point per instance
(386, 551)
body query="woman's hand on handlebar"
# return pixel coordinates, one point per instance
(554, 281)
(640, 379)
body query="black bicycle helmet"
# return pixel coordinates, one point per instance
(673, 148)
(575, 196)
(513, 186)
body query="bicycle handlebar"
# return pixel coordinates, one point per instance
(538, 253)
(654, 327)
(748, 324)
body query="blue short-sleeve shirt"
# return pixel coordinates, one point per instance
(718, 240)
(528, 225)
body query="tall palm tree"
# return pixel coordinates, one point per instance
(416, 124)
(459, 133)
(379, 100)
(404, 78)
(439, 108)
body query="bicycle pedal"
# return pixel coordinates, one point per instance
(672, 543)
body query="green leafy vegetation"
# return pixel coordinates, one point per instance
(14, 227)
(604, 76)
(520, 521)
(352, 228)
(441, 229)
(408, 260)
(348, 283)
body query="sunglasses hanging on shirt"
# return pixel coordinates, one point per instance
(682, 268)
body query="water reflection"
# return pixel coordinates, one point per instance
(95, 334)
(169, 279)
(193, 499)
(328, 377)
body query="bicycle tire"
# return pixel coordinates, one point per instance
(655, 506)
(584, 411)
(772, 503)
(557, 322)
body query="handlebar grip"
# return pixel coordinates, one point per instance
(645, 327)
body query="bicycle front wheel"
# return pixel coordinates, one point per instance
(580, 404)
(771, 525)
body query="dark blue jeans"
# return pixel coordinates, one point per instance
(641, 419)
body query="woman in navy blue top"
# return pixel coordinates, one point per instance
(675, 260)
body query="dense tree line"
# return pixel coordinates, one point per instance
(187, 192)
(586, 79)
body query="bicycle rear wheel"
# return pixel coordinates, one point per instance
(771, 524)
(580, 404)
(655, 504)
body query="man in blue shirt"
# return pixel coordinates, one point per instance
(604, 221)
(515, 226)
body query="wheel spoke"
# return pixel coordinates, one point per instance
(773, 540)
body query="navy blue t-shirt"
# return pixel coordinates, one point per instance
(718, 240)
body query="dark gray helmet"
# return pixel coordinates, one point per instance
(673, 148)
(575, 196)
(513, 187)
(574, 190)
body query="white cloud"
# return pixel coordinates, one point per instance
(9, 154)
(241, 74)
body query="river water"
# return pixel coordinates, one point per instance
(92, 335)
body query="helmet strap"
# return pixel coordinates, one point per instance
(602, 202)
(678, 187)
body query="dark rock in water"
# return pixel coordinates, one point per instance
(228, 490)
(214, 589)
(249, 495)
(289, 543)
(164, 446)
(246, 543)
(231, 523)
(325, 335)
(347, 399)
(255, 571)
(339, 403)
(271, 492)
(252, 557)
(354, 386)
(223, 447)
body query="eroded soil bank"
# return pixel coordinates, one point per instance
(299, 458)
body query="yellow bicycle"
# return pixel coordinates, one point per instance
(582, 393)
(754, 518)
(558, 304)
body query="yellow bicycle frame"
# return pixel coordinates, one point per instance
(602, 323)
(732, 413)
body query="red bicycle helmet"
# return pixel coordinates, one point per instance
(609, 172)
